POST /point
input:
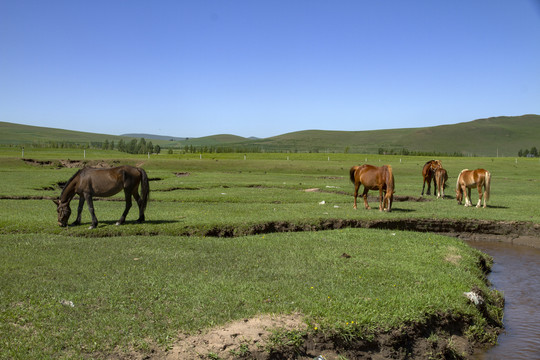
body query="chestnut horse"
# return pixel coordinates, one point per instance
(428, 172)
(469, 179)
(90, 182)
(374, 178)
(441, 176)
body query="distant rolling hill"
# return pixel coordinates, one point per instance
(154, 137)
(502, 136)
(17, 134)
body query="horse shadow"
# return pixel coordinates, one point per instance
(497, 206)
(134, 222)
(402, 210)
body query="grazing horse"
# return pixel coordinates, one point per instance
(374, 178)
(441, 176)
(469, 179)
(90, 182)
(427, 173)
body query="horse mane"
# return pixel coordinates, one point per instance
(459, 177)
(69, 181)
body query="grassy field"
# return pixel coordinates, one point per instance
(137, 286)
(497, 136)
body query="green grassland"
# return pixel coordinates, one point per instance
(137, 286)
(498, 136)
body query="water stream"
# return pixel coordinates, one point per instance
(516, 272)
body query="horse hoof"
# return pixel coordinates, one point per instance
(91, 227)
(117, 223)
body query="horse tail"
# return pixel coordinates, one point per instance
(487, 186)
(390, 179)
(145, 188)
(352, 171)
(445, 178)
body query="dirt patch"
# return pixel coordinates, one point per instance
(73, 163)
(247, 338)
(181, 174)
(268, 337)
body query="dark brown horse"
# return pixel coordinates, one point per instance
(441, 176)
(374, 178)
(90, 182)
(469, 179)
(427, 173)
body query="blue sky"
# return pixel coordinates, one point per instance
(264, 68)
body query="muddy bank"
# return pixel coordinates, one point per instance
(517, 232)
(265, 337)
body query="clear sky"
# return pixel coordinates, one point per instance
(193, 68)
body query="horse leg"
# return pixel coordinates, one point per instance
(468, 201)
(364, 195)
(356, 187)
(464, 194)
(442, 188)
(127, 194)
(423, 186)
(381, 205)
(140, 204)
(90, 202)
(79, 212)
(479, 187)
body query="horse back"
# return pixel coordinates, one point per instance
(108, 182)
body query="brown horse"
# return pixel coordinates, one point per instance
(90, 182)
(374, 178)
(441, 176)
(428, 172)
(469, 179)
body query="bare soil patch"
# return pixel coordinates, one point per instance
(264, 338)
(246, 338)
(73, 163)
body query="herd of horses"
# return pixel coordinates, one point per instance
(90, 182)
(466, 180)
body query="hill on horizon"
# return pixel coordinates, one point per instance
(496, 136)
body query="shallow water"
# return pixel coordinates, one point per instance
(516, 272)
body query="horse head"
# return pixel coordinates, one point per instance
(436, 164)
(64, 211)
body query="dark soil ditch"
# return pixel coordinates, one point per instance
(519, 232)
(73, 163)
